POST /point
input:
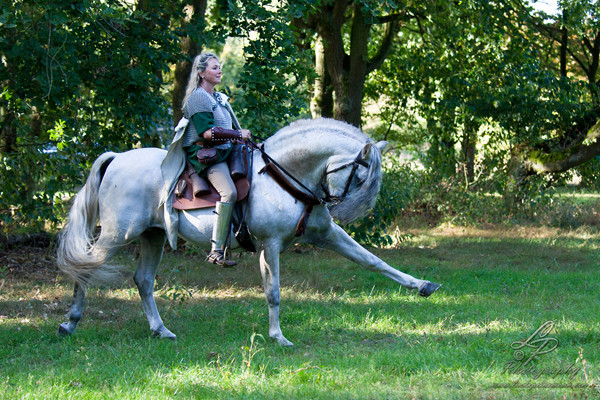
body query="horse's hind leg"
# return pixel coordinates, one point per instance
(68, 328)
(152, 245)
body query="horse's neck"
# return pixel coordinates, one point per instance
(306, 159)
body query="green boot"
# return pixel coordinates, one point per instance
(219, 235)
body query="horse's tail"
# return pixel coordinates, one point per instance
(79, 254)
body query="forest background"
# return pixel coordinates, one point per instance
(489, 107)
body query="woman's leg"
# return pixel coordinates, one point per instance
(219, 176)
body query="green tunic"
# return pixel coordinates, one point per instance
(202, 122)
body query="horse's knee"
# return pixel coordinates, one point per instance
(273, 298)
(144, 283)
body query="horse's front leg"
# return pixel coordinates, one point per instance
(269, 269)
(338, 240)
(152, 245)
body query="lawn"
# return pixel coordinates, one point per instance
(357, 334)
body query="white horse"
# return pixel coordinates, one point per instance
(332, 159)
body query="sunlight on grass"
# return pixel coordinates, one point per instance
(357, 334)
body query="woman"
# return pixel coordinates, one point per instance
(211, 122)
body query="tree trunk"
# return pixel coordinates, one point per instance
(322, 101)
(8, 132)
(191, 49)
(560, 161)
(469, 148)
(564, 44)
(359, 59)
(347, 74)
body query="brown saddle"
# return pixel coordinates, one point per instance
(192, 191)
(190, 202)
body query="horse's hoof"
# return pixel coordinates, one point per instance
(428, 288)
(164, 333)
(63, 329)
(282, 341)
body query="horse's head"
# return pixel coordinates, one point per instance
(352, 183)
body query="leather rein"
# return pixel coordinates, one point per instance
(306, 196)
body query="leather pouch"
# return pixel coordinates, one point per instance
(207, 155)
(238, 168)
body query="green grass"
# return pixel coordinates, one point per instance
(357, 334)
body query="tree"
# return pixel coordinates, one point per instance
(80, 78)
(342, 25)
(76, 79)
(570, 44)
(194, 22)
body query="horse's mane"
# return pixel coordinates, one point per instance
(317, 126)
(360, 200)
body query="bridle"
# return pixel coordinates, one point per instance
(357, 162)
(307, 196)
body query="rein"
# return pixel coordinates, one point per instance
(278, 174)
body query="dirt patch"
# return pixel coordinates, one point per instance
(31, 257)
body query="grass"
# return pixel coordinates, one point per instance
(357, 334)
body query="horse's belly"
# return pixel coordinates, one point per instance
(196, 225)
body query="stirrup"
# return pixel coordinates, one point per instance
(218, 257)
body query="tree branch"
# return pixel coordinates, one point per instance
(385, 48)
(561, 161)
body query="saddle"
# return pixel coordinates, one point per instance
(193, 192)
(188, 201)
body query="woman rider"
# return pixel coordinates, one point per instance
(211, 124)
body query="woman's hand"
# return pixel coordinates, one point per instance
(246, 135)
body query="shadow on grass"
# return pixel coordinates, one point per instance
(343, 319)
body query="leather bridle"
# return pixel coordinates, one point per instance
(278, 173)
(357, 162)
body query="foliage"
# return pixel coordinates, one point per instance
(590, 174)
(77, 79)
(471, 65)
(476, 86)
(271, 86)
(398, 187)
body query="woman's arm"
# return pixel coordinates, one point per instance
(203, 122)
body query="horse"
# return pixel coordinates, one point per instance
(334, 161)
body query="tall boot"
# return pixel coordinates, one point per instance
(221, 229)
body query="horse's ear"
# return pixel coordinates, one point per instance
(365, 154)
(366, 151)
(381, 145)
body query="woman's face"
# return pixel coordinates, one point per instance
(212, 74)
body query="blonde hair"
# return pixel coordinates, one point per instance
(199, 65)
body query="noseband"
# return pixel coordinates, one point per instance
(358, 161)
